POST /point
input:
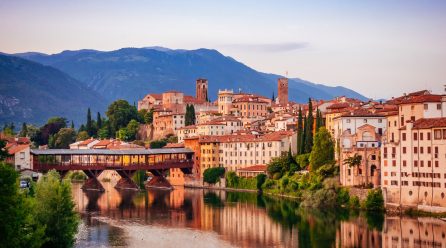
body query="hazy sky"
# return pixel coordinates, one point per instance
(379, 48)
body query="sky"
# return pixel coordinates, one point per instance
(378, 48)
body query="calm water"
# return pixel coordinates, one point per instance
(203, 218)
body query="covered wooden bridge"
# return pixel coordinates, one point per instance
(125, 162)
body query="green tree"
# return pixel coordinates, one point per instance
(81, 136)
(299, 131)
(18, 227)
(323, 149)
(278, 166)
(98, 121)
(309, 128)
(119, 114)
(123, 134)
(55, 208)
(24, 131)
(72, 124)
(273, 98)
(132, 129)
(190, 115)
(3, 151)
(212, 175)
(260, 178)
(64, 138)
(148, 117)
(353, 161)
(105, 131)
(155, 144)
(374, 200)
(89, 126)
(319, 120)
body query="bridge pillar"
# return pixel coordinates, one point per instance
(158, 180)
(126, 181)
(92, 182)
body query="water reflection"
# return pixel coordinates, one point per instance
(251, 220)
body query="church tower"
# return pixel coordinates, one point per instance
(202, 89)
(282, 85)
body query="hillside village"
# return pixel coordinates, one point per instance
(399, 144)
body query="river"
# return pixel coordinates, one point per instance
(206, 218)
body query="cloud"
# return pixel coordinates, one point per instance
(270, 47)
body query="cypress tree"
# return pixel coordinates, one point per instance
(299, 131)
(303, 137)
(273, 98)
(99, 121)
(24, 131)
(309, 131)
(192, 114)
(72, 124)
(89, 125)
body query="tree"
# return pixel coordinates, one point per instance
(119, 114)
(81, 136)
(3, 151)
(353, 161)
(98, 121)
(157, 144)
(323, 149)
(212, 175)
(24, 131)
(132, 129)
(89, 125)
(319, 120)
(299, 131)
(374, 200)
(18, 227)
(293, 166)
(105, 131)
(190, 115)
(278, 166)
(72, 124)
(64, 138)
(148, 117)
(55, 208)
(53, 126)
(309, 128)
(273, 98)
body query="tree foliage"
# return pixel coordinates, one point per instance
(120, 113)
(81, 136)
(18, 227)
(374, 200)
(353, 161)
(190, 115)
(63, 138)
(53, 126)
(55, 208)
(212, 175)
(300, 132)
(323, 149)
(309, 128)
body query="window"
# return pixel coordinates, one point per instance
(365, 120)
(380, 121)
(421, 150)
(348, 120)
(415, 136)
(444, 133)
(402, 120)
(404, 163)
(439, 106)
(415, 150)
(415, 163)
(429, 136)
(426, 106)
(404, 150)
(404, 136)
(437, 134)
(421, 136)
(429, 150)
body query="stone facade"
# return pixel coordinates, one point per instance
(282, 89)
(202, 89)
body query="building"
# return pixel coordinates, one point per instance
(20, 157)
(413, 152)
(365, 142)
(251, 106)
(225, 98)
(220, 126)
(234, 152)
(282, 89)
(201, 89)
(150, 101)
(251, 171)
(186, 132)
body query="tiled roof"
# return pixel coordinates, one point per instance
(339, 105)
(260, 167)
(156, 96)
(416, 97)
(174, 145)
(188, 127)
(103, 143)
(221, 120)
(17, 148)
(426, 123)
(191, 99)
(274, 136)
(361, 113)
(86, 142)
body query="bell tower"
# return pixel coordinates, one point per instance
(282, 89)
(201, 92)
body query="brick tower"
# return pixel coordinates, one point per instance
(282, 85)
(202, 89)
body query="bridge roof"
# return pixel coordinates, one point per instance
(110, 152)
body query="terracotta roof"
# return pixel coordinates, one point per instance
(17, 140)
(260, 167)
(17, 148)
(103, 143)
(191, 99)
(416, 97)
(174, 145)
(427, 123)
(221, 120)
(188, 127)
(86, 142)
(339, 105)
(274, 136)
(156, 96)
(361, 113)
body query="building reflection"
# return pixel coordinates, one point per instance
(248, 220)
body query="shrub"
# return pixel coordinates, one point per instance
(303, 160)
(212, 175)
(343, 197)
(354, 202)
(231, 179)
(260, 178)
(374, 200)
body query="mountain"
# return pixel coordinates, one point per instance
(32, 93)
(130, 73)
